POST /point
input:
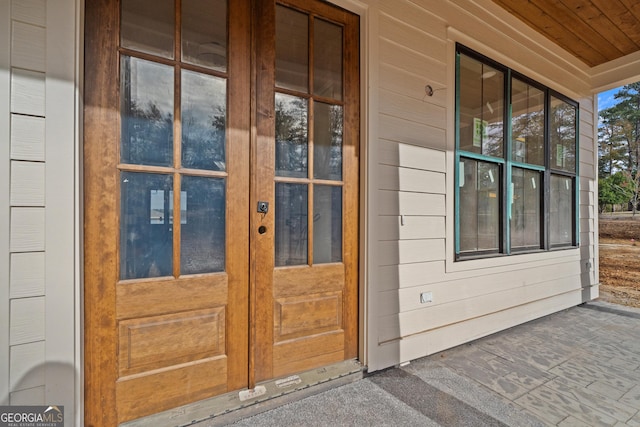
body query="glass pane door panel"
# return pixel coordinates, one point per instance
(327, 141)
(527, 123)
(146, 229)
(291, 136)
(327, 224)
(204, 33)
(292, 51)
(291, 241)
(147, 26)
(203, 121)
(525, 209)
(202, 219)
(327, 59)
(146, 93)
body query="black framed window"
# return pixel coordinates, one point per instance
(516, 162)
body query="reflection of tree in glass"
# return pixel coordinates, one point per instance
(328, 128)
(528, 128)
(203, 140)
(291, 136)
(563, 134)
(147, 134)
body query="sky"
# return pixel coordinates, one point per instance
(606, 99)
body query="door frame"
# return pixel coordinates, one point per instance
(99, 329)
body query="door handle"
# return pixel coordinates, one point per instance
(263, 207)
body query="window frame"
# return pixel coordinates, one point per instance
(506, 163)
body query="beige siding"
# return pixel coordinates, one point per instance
(411, 166)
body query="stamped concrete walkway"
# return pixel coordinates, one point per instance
(579, 367)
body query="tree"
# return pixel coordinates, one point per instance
(614, 190)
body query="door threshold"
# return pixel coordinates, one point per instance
(233, 406)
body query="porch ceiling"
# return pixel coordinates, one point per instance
(594, 31)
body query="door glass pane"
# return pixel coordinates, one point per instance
(146, 93)
(327, 224)
(561, 210)
(563, 135)
(291, 224)
(525, 209)
(481, 108)
(292, 49)
(291, 136)
(327, 59)
(327, 141)
(147, 26)
(479, 206)
(204, 33)
(527, 123)
(202, 246)
(203, 121)
(146, 229)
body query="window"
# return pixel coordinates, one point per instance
(516, 159)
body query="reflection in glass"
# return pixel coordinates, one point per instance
(481, 108)
(203, 121)
(527, 123)
(563, 135)
(204, 33)
(202, 245)
(327, 59)
(291, 136)
(327, 141)
(327, 224)
(561, 211)
(291, 241)
(292, 49)
(146, 93)
(148, 26)
(146, 234)
(525, 209)
(480, 200)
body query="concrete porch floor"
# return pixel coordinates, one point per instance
(578, 367)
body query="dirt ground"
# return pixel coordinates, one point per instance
(620, 260)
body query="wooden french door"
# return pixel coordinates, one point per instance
(221, 198)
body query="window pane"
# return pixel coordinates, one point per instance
(202, 219)
(327, 141)
(203, 121)
(481, 108)
(146, 229)
(327, 59)
(146, 92)
(292, 49)
(525, 209)
(327, 224)
(561, 211)
(204, 33)
(291, 136)
(291, 224)
(563, 135)
(147, 26)
(527, 123)
(480, 200)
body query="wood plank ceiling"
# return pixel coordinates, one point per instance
(594, 31)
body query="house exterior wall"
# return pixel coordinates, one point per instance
(407, 216)
(39, 300)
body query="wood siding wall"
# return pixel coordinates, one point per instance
(39, 206)
(410, 173)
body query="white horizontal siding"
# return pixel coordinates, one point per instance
(27, 277)
(27, 92)
(411, 156)
(411, 227)
(29, 11)
(27, 320)
(31, 396)
(27, 183)
(28, 46)
(27, 366)
(27, 230)
(27, 137)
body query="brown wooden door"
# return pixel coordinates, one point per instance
(190, 292)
